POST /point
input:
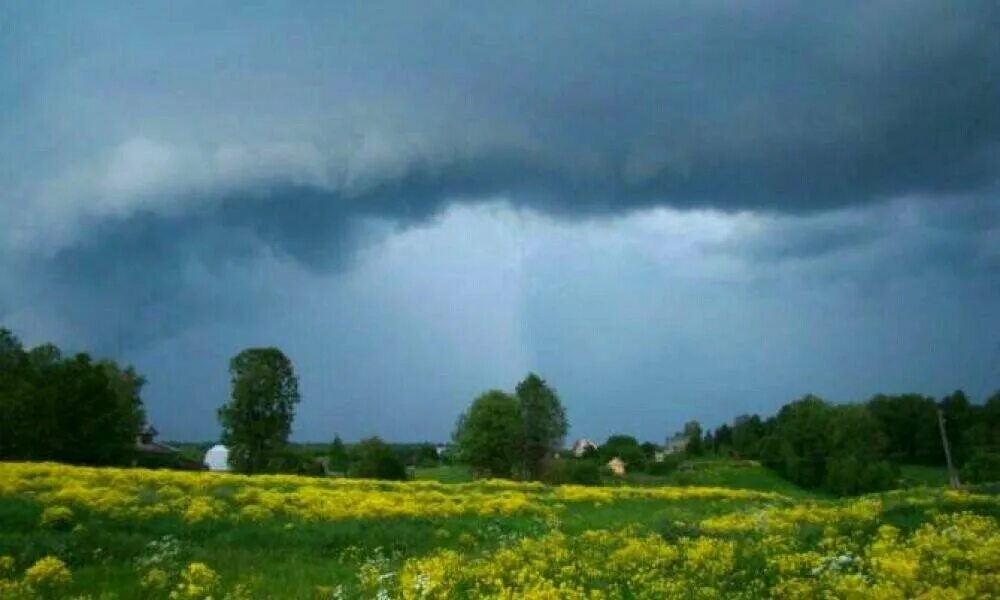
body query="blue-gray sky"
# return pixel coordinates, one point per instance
(669, 210)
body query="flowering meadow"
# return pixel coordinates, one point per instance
(103, 533)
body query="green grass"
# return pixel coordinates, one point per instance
(923, 475)
(444, 474)
(280, 559)
(725, 473)
(288, 558)
(704, 472)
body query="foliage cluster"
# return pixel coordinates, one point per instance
(376, 460)
(258, 418)
(71, 409)
(848, 449)
(512, 435)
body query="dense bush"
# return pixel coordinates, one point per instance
(73, 410)
(847, 475)
(835, 447)
(172, 460)
(289, 461)
(512, 435)
(490, 435)
(556, 471)
(849, 449)
(585, 472)
(338, 459)
(376, 460)
(984, 467)
(666, 466)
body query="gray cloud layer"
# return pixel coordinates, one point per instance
(154, 158)
(576, 107)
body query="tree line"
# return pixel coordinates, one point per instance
(854, 448)
(512, 434)
(76, 409)
(70, 409)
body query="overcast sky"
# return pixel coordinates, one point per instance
(669, 210)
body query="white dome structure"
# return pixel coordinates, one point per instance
(217, 458)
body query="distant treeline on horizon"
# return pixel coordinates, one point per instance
(75, 409)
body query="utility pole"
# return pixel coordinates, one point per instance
(952, 473)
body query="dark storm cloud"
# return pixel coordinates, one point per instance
(581, 107)
(292, 123)
(152, 158)
(955, 234)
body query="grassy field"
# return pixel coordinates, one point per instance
(444, 474)
(732, 530)
(916, 475)
(748, 475)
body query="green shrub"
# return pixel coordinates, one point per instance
(294, 462)
(558, 471)
(376, 460)
(983, 467)
(848, 475)
(555, 471)
(666, 466)
(585, 472)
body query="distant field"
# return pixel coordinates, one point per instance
(138, 534)
(444, 474)
(921, 475)
(747, 475)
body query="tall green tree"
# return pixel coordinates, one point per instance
(257, 420)
(126, 384)
(990, 441)
(798, 445)
(748, 432)
(14, 388)
(489, 435)
(722, 440)
(854, 458)
(376, 460)
(544, 421)
(692, 431)
(87, 422)
(65, 409)
(337, 456)
(910, 424)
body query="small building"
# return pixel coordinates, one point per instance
(217, 458)
(145, 442)
(677, 443)
(659, 456)
(617, 466)
(582, 446)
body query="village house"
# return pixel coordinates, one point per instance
(582, 446)
(152, 454)
(145, 442)
(677, 443)
(617, 466)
